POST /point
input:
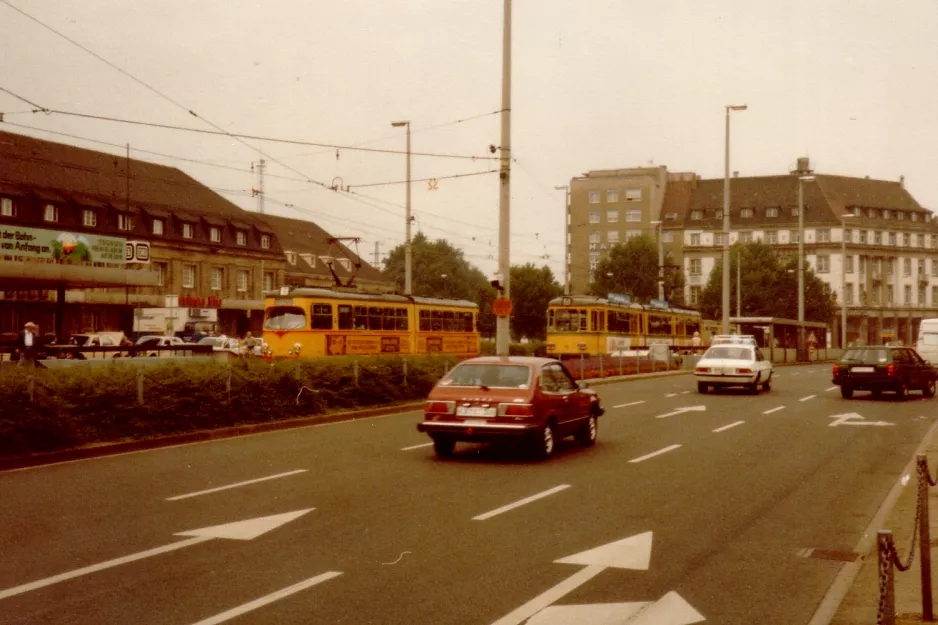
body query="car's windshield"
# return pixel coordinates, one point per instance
(489, 375)
(729, 353)
(285, 318)
(868, 356)
(214, 341)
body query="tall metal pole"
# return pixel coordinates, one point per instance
(726, 219)
(739, 291)
(260, 186)
(566, 236)
(660, 262)
(800, 267)
(843, 283)
(408, 271)
(502, 325)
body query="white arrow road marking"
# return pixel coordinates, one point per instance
(416, 446)
(634, 403)
(807, 398)
(774, 410)
(220, 488)
(671, 609)
(240, 530)
(629, 553)
(520, 502)
(257, 603)
(654, 453)
(726, 427)
(850, 418)
(682, 410)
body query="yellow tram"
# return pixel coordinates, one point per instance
(595, 325)
(315, 322)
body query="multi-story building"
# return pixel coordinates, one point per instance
(88, 240)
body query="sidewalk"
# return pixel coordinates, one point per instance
(861, 603)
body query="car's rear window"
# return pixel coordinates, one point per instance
(489, 375)
(727, 352)
(868, 356)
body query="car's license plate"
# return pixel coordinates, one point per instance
(475, 422)
(475, 411)
(863, 369)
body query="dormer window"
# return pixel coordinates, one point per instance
(886, 214)
(89, 218)
(771, 211)
(157, 226)
(50, 213)
(745, 213)
(900, 215)
(265, 241)
(7, 207)
(347, 264)
(914, 216)
(309, 259)
(125, 222)
(857, 211)
(794, 211)
(214, 234)
(670, 217)
(871, 213)
(187, 231)
(291, 257)
(241, 238)
(696, 215)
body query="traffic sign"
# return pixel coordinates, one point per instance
(501, 307)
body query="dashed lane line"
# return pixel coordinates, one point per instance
(229, 486)
(668, 395)
(520, 502)
(634, 403)
(833, 388)
(726, 427)
(807, 398)
(654, 453)
(416, 446)
(776, 409)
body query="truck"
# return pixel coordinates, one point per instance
(186, 323)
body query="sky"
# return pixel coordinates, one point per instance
(596, 84)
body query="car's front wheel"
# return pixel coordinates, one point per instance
(587, 434)
(767, 385)
(444, 447)
(929, 390)
(545, 443)
(846, 391)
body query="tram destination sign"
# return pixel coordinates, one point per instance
(61, 245)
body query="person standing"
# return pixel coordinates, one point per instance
(28, 344)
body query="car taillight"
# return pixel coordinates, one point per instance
(836, 369)
(703, 370)
(891, 369)
(744, 371)
(515, 410)
(440, 407)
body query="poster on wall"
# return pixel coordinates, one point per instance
(69, 247)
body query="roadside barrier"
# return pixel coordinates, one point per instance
(888, 557)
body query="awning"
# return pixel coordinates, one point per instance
(23, 275)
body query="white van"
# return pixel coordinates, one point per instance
(927, 343)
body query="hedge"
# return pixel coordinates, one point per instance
(78, 406)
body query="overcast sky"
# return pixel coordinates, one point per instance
(596, 84)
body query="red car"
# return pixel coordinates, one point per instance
(495, 398)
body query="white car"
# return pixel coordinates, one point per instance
(733, 365)
(159, 341)
(733, 339)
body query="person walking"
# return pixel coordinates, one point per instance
(28, 344)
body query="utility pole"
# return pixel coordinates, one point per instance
(408, 258)
(502, 324)
(259, 191)
(377, 253)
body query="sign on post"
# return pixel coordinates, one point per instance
(501, 307)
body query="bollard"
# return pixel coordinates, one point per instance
(924, 540)
(887, 581)
(355, 372)
(139, 387)
(582, 375)
(405, 372)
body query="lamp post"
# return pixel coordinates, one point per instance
(843, 280)
(566, 237)
(726, 218)
(660, 225)
(407, 250)
(801, 181)
(739, 291)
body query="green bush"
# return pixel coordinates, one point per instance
(78, 406)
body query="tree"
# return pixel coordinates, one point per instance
(631, 268)
(440, 270)
(531, 291)
(769, 285)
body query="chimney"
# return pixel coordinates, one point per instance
(735, 174)
(902, 182)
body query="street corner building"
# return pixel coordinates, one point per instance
(92, 242)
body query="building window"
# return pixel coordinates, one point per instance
(612, 236)
(694, 267)
(907, 292)
(886, 214)
(745, 213)
(243, 280)
(718, 213)
(934, 241)
(595, 236)
(877, 237)
(594, 217)
(934, 296)
(188, 276)
(771, 211)
(696, 215)
(594, 262)
(771, 237)
(695, 239)
(794, 211)
(7, 207)
(823, 264)
(719, 239)
(51, 213)
(291, 257)
(921, 295)
(920, 240)
(89, 218)
(186, 231)
(631, 234)
(158, 227)
(824, 235)
(857, 211)
(914, 217)
(890, 295)
(612, 217)
(906, 267)
(863, 236)
(848, 264)
(125, 222)
(934, 267)
(214, 234)
(900, 215)
(633, 215)
(694, 295)
(670, 216)
(848, 293)
(594, 197)
(871, 213)
(265, 241)
(269, 281)
(667, 237)
(633, 195)
(161, 270)
(241, 238)
(745, 237)
(892, 238)
(612, 195)
(218, 276)
(793, 236)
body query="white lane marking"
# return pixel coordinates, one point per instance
(807, 398)
(671, 395)
(551, 595)
(654, 453)
(416, 446)
(685, 392)
(774, 410)
(795, 372)
(276, 596)
(833, 388)
(634, 403)
(520, 502)
(726, 427)
(220, 488)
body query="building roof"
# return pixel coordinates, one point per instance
(308, 241)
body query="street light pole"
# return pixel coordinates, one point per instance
(843, 280)
(726, 218)
(739, 291)
(502, 324)
(566, 237)
(408, 259)
(660, 225)
(801, 181)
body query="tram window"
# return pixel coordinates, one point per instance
(467, 322)
(659, 324)
(583, 321)
(322, 317)
(425, 321)
(374, 317)
(691, 327)
(551, 315)
(285, 318)
(436, 321)
(620, 322)
(449, 322)
(401, 318)
(346, 321)
(361, 318)
(387, 319)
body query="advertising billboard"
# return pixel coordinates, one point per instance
(63, 246)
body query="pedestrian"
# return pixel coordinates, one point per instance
(28, 345)
(695, 342)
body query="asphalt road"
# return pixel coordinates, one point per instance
(712, 515)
